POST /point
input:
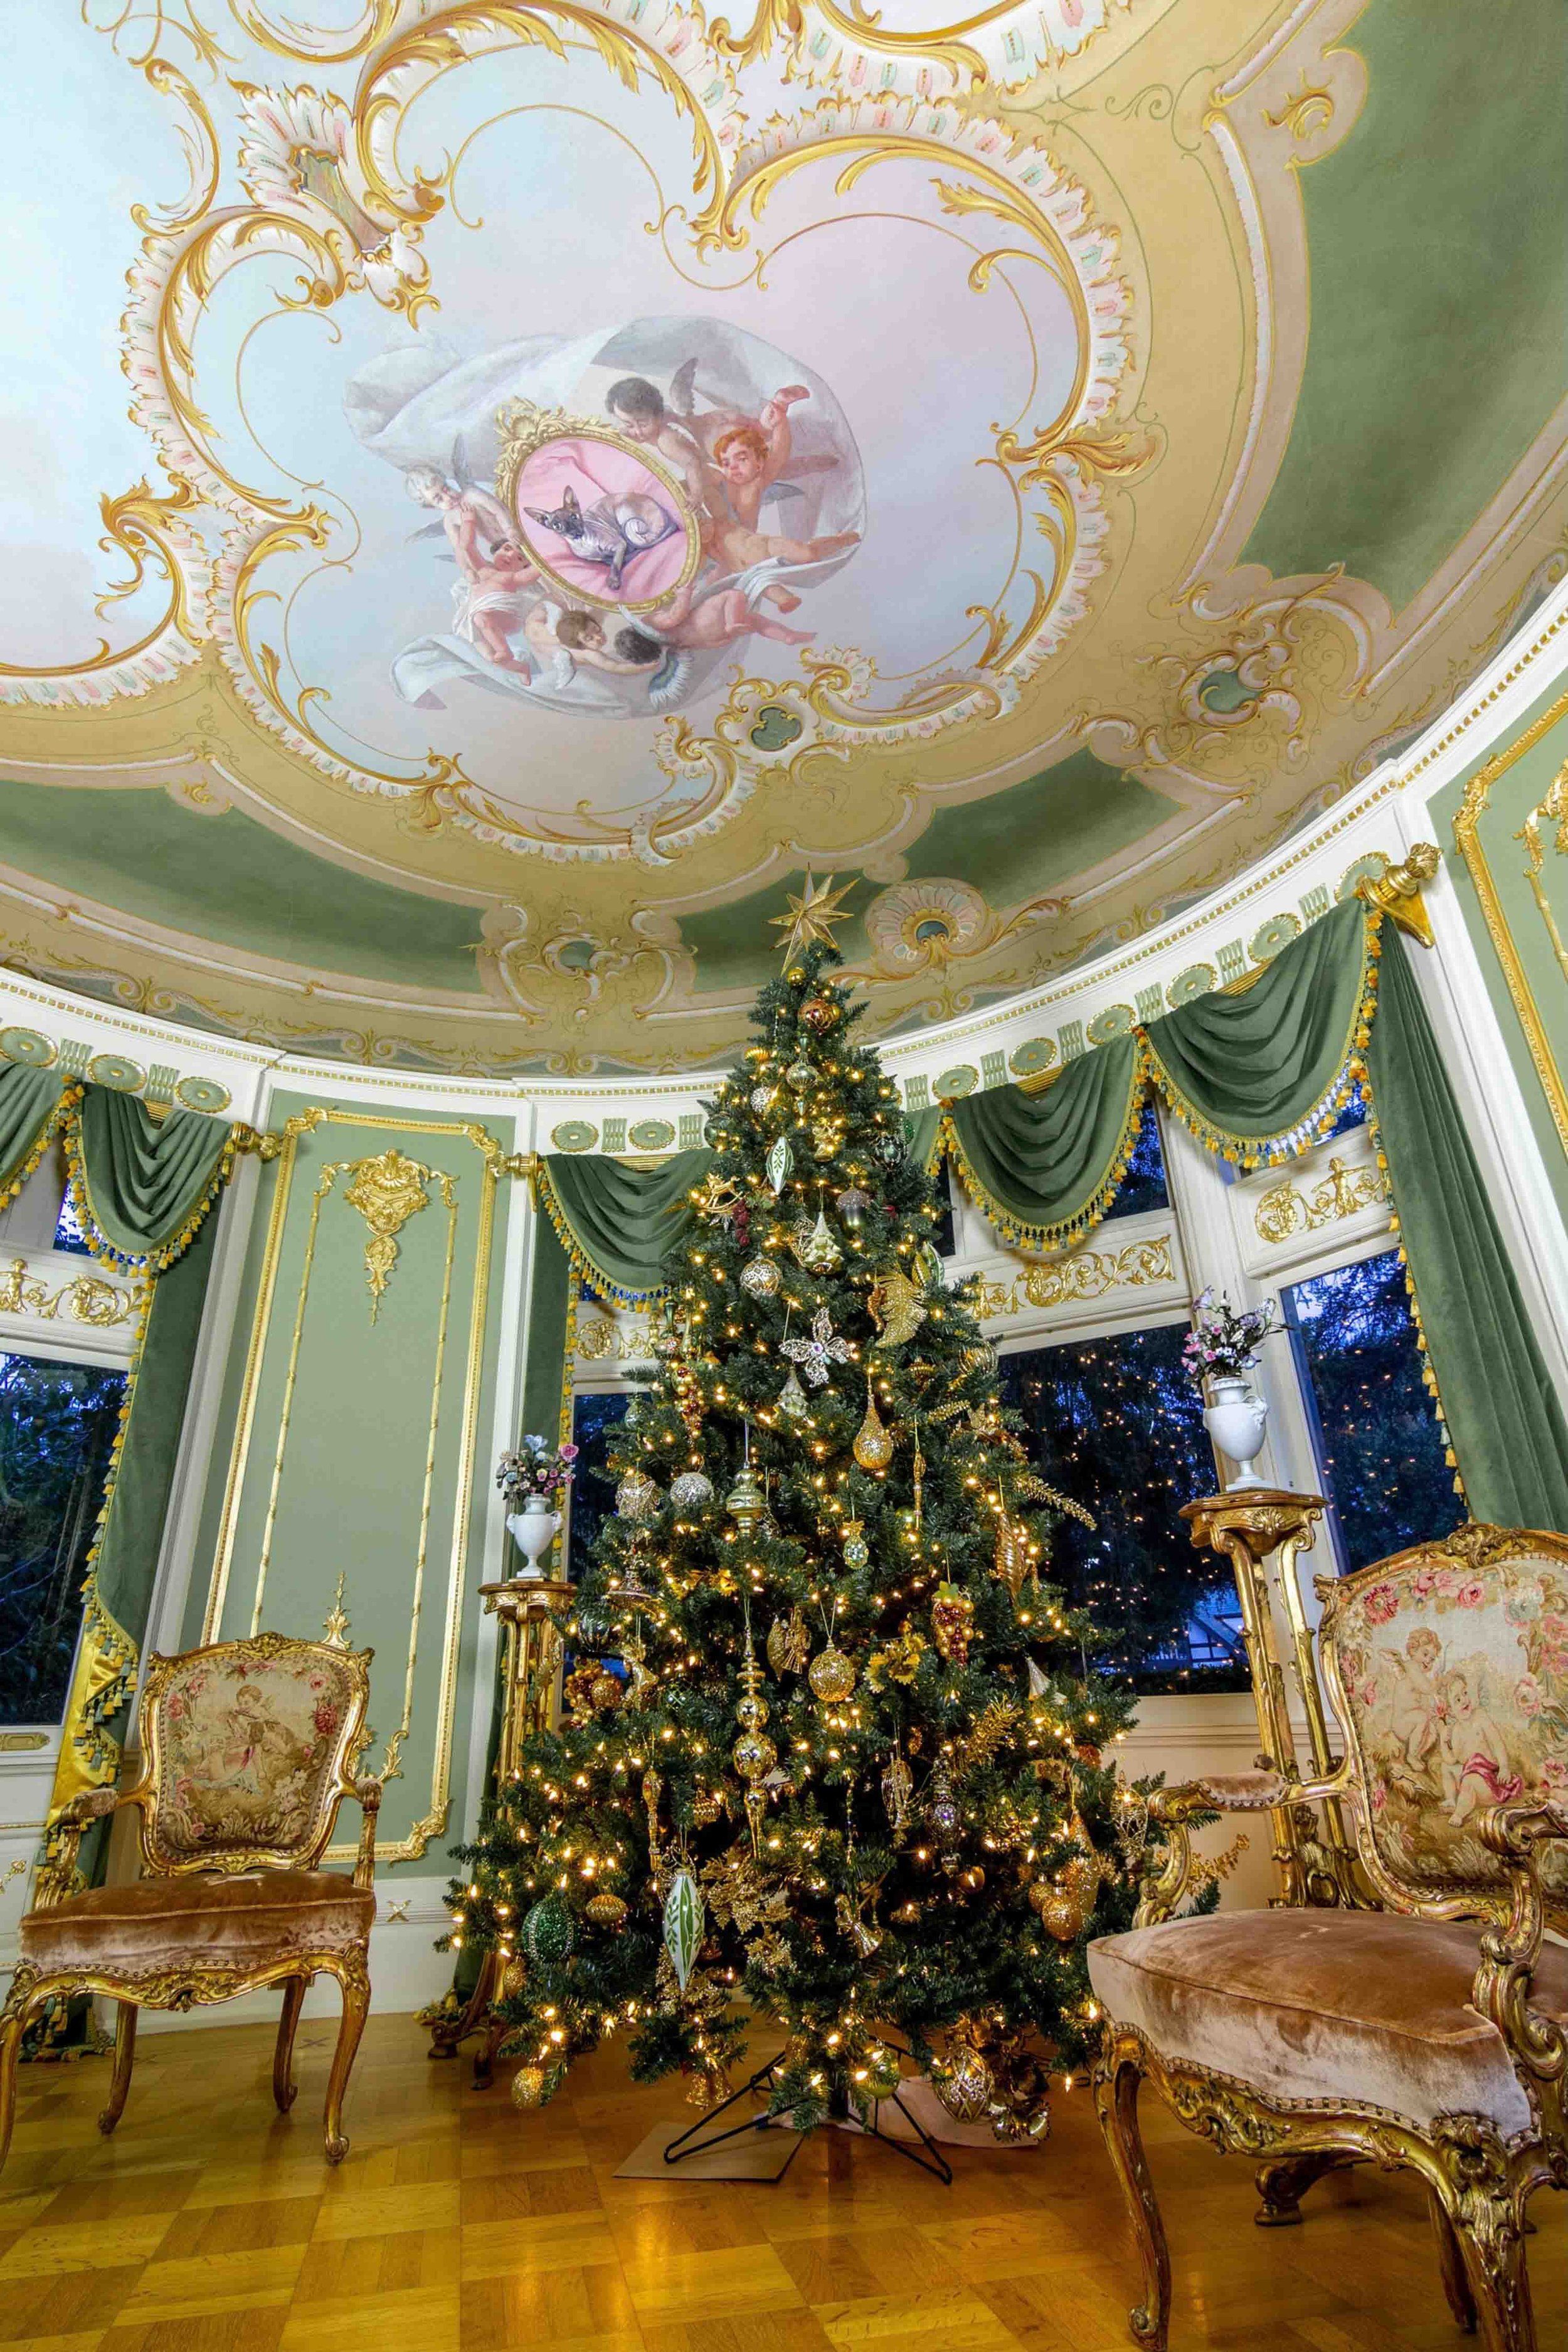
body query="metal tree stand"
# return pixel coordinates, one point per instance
(933, 2161)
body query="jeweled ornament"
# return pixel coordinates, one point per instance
(873, 1445)
(888, 1148)
(762, 1098)
(832, 1675)
(792, 1399)
(761, 1278)
(691, 1491)
(941, 1806)
(684, 1914)
(820, 1014)
(857, 1551)
(604, 1909)
(962, 2081)
(636, 1497)
(549, 1933)
(953, 1623)
(528, 2087)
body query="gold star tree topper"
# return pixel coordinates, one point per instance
(812, 914)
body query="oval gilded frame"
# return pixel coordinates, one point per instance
(525, 429)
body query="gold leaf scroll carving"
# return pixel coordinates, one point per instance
(1284, 1210)
(87, 1298)
(1082, 1273)
(387, 1191)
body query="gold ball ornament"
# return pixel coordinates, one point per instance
(819, 1014)
(605, 1692)
(604, 1909)
(962, 2081)
(761, 1278)
(754, 1754)
(1061, 1915)
(973, 1879)
(883, 2076)
(832, 1675)
(1081, 1879)
(528, 2087)
(513, 1977)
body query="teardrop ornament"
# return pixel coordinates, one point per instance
(872, 1446)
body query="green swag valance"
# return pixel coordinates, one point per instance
(1258, 1075)
(141, 1189)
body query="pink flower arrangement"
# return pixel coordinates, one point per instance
(1223, 1342)
(534, 1469)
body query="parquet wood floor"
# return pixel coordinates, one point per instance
(208, 2223)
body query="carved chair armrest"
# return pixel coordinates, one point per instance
(1510, 1947)
(1176, 1810)
(369, 1793)
(63, 1838)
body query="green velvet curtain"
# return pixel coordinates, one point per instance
(1504, 1416)
(618, 1222)
(1047, 1166)
(31, 1102)
(1259, 1073)
(142, 1186)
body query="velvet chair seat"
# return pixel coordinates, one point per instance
(199, 1920)
(1338, 2008)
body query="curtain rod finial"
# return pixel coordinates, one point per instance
(1398, 891)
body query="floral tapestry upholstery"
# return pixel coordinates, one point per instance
(1451, 1666)
(248, 1743)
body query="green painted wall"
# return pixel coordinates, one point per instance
(1439, 295)
(1510, 799)
(350, 1492)
(230, 879)
(1033, 837)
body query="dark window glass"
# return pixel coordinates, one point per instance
(1378, 1436)
(594, 1421)
(943, 1240)
(68, 1234)
(1143, 1185)
(57, 1429)
(1353, 1115)
(1117, 1425)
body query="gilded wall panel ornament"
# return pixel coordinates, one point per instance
(1284, 1209)
(387, 1191)
(1079, 1276)
(87, 1298)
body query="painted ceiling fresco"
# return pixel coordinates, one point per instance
(499, 490)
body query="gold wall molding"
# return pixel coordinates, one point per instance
(87, 1298)
(1284, 1209)
(387, 1191)
(1466, 836)
(1079, 1274)
(495, 1163)
(600, 1341)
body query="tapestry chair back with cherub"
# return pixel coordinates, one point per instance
(1448, 1668)
(248, 1748)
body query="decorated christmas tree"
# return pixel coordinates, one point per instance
(851, 1779)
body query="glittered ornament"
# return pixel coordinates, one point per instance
(962, 2081)
(952, 1623)
(605, 1692)
(820, 1014)
(1061, 1914)
(761, 1278)
(691, 1491)
(682, 1924)
(788, 1643)
(513, 1977)
(604, 1909)
(762, 1098)
(873, 1445)
(832, 1675)
(792, 1399)
(549, 1933)
(857, 1551)
(636, 1497)
(1080, 1875)
(528, 2087)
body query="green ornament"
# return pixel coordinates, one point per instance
(927, 1263)
(549, 1933)
(682, 1924)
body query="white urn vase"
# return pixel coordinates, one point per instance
(534, 1528)
(1235, 1417)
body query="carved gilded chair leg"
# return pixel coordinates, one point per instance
(1117, 2084)
(1282, 2183)
(11, 2024)
(282, 2053)
(356, 1986)
(1451, 2266)
(1491, 2240)
(124, 2059)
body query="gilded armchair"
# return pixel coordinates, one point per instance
(248, 1752)
(1312, 2038)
